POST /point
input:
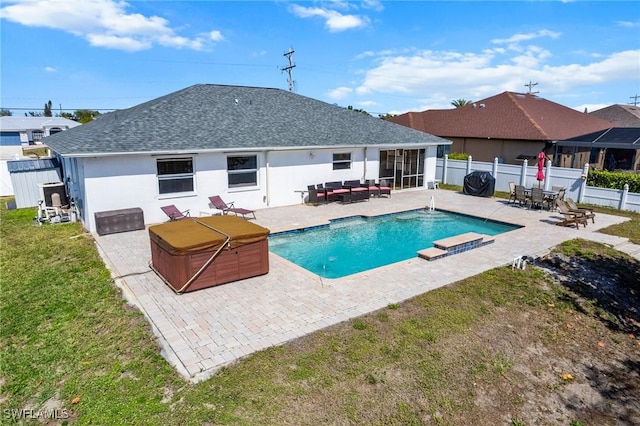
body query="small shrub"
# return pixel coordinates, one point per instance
(458, 156)
(613, 180)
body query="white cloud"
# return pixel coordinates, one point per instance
(368, 103)
(517, 38)
(50, 69)
(373, 5)
(334, 21)
(628, 24)
(104, 23)
(433, 78)
(339, 93)
(216, 35)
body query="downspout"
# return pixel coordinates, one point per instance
(364, 154)
(266, 178)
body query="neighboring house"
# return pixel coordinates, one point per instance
(25, 131)
(617, 148)
(254, 146)
(510, 126)
(620, 115)
(18, 133)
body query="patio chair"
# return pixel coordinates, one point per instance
(373, 189)
(316, 196)
(174, 213)
(521, 196)
(570, 218)
(537, 197)
(358, 191)
(217, 203)
(587, 212)
(512, 192)
(384, 187)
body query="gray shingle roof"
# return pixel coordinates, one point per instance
(620, 115)
(215, 117)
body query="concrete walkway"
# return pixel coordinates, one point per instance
(202, 331)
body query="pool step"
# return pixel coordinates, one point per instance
(456, 244)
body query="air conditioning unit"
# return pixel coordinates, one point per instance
(48, 189)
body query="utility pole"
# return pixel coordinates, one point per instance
(530, 86)
(289, 68)
(635, 100)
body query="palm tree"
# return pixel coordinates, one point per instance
(460, 103)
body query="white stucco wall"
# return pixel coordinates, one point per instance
(112, 183)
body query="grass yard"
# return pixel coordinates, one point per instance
(523, 347)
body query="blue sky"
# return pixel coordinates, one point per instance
(381, 56)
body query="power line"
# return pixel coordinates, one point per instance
(635, 100)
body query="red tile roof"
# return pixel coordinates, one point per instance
(508, 115)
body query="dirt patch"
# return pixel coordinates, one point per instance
(576, 365)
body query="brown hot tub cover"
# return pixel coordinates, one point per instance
(201, 234)
(180, 248)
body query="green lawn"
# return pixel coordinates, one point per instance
(70, 342)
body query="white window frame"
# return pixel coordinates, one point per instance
(173, 176)
(340, 162)
(246, 171)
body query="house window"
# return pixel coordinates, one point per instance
(37, 136)
(443, 150)
(341, 160)
(242, 171)
(175, 175)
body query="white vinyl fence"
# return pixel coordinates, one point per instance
(574, 180)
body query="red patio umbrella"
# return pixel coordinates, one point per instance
(540, 174)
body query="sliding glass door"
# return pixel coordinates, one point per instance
(404, 168)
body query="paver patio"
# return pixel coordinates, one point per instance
(202, 331)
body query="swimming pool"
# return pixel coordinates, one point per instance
(356, 244)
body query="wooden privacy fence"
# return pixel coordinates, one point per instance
(574, 180)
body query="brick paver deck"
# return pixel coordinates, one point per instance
(202, 331)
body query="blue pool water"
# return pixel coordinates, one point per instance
(358, 243)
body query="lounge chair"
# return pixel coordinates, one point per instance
(217, 203)
(570, 218)
(174, 213)
(587, 212)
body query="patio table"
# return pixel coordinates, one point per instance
(548, 195)
(302, 192)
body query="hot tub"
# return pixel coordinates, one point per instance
(197, 253)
